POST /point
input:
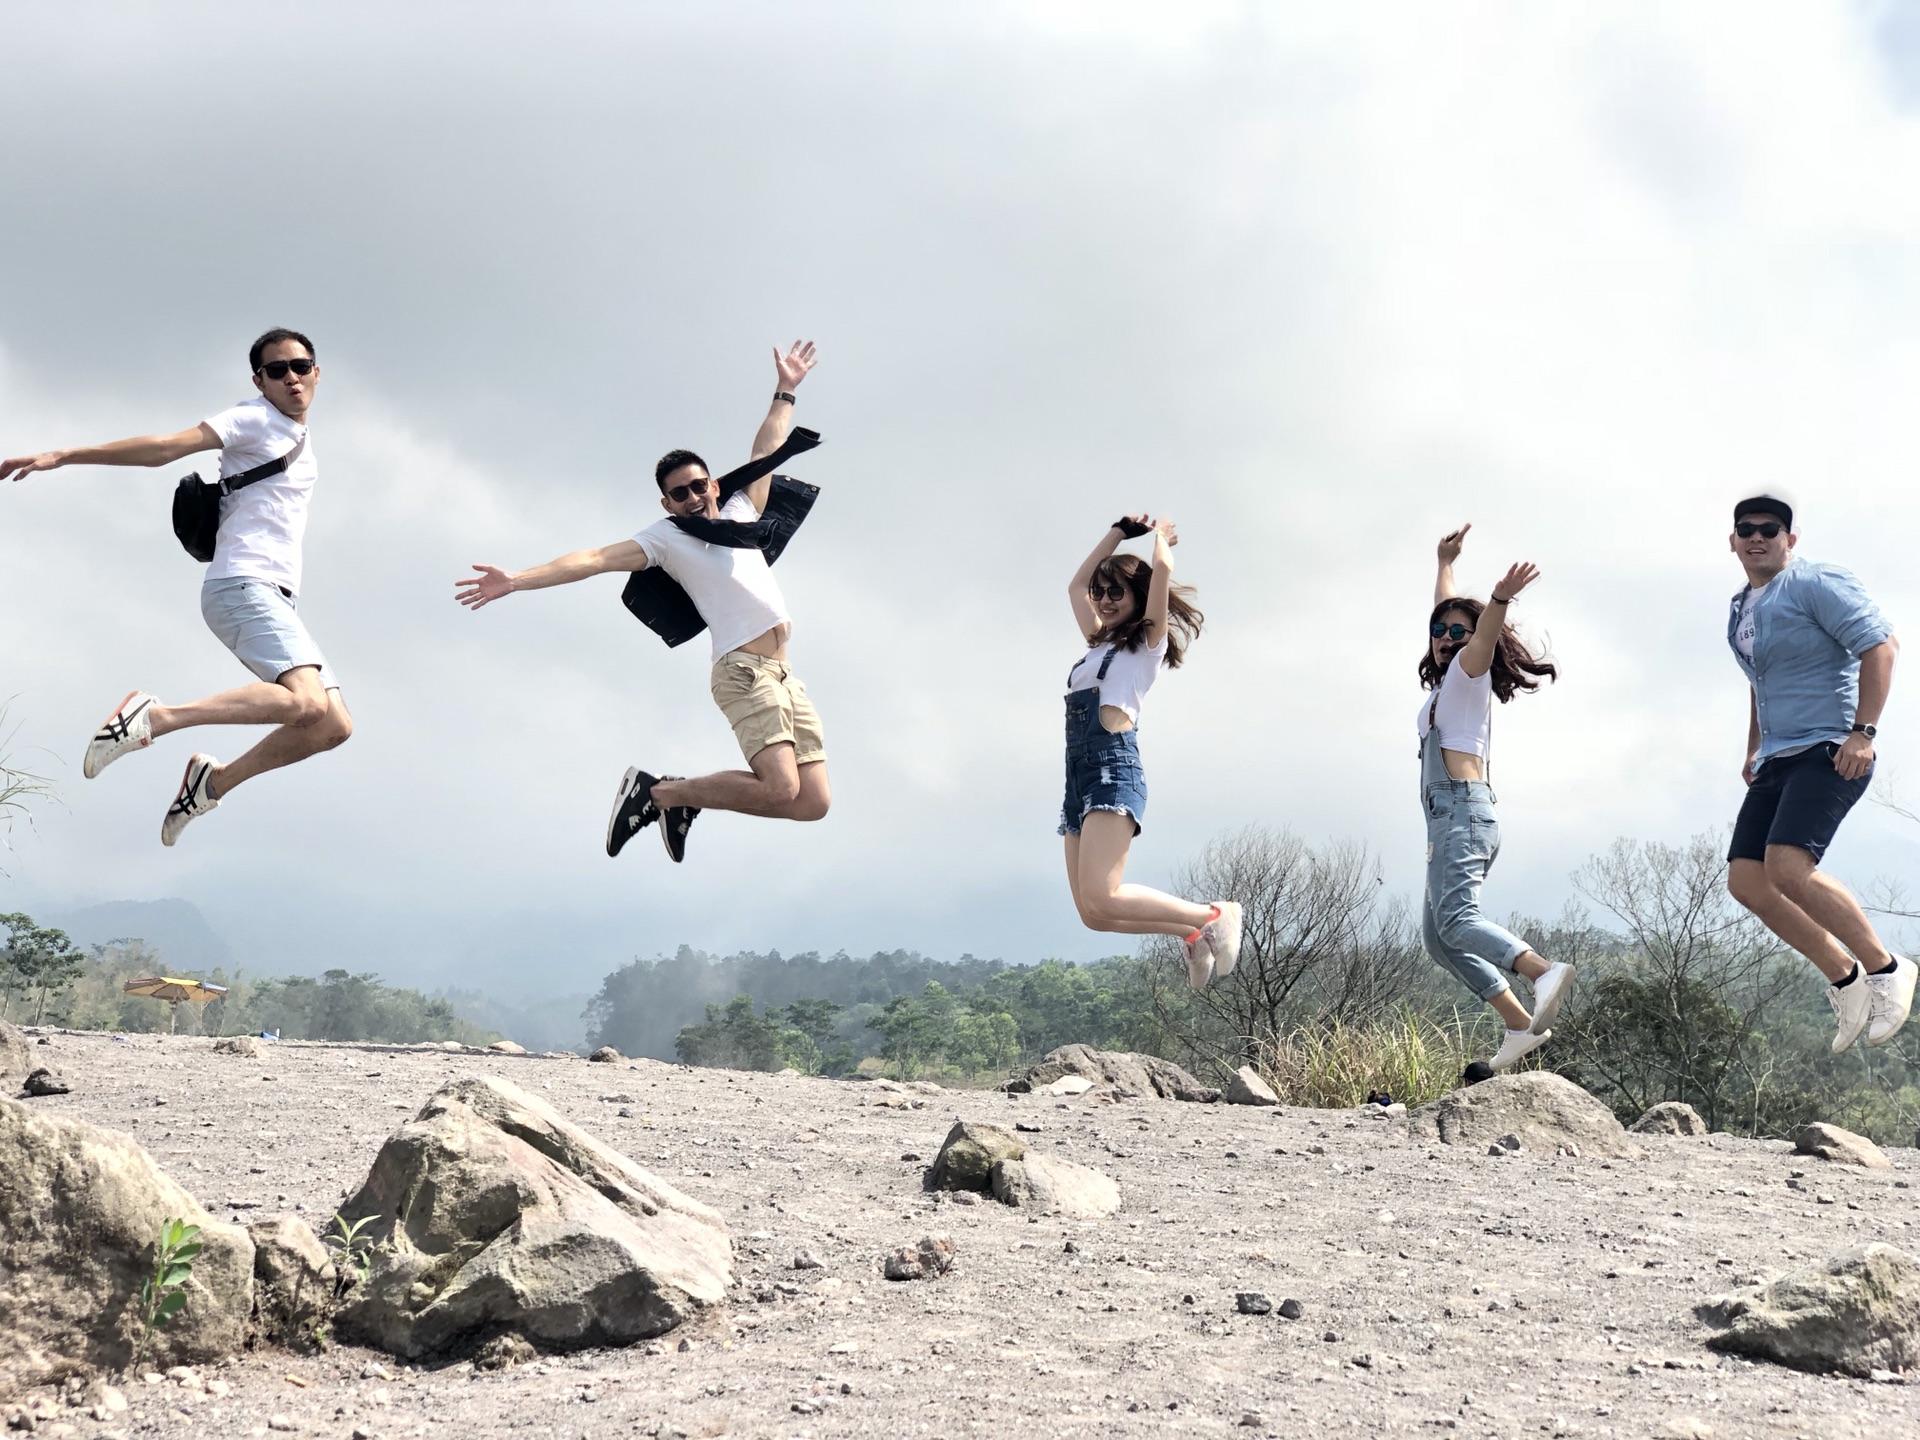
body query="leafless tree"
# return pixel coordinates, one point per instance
(20, 788)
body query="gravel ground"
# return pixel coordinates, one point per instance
(1444, 1292)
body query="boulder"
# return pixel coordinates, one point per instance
(1055, 1187)
(491, 1213)
(1544, 1110)
(46, 1082)
(245, 1046)
(606, 1055)
(1247, 1088)
(1130, 1074)
(1857, 1314)
(293, 1280)
(16, 1055)
(1068, 1085)
(1843, 1147)
(1670, 1117)
(968, 1154)
(80, 1209)
(507, 1047)
(931, 1256)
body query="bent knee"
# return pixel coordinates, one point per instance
(338, 731)
(813, 810)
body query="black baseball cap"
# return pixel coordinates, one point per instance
(1765, 505)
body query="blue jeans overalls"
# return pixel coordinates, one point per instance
(1463, 837)
(1103, 767)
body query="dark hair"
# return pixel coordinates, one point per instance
(1515, 667)
(274, 336)
(672, 461)
(1183, 616)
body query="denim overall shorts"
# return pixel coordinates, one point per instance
(1103, 768)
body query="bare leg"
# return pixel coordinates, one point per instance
(1749, 882)
(1827, 903)
(1096, 861)
(776, 788)
(1508, 1007)
(310, 719)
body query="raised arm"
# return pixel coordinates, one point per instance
(493, 583)
(789, 370)
(1476, 656)
(1450, 547)
(1125, 528)
(1165, 537)
(141, 450)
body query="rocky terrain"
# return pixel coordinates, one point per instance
(1439, 1289)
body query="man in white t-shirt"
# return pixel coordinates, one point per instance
(250, 596)
(736, 594)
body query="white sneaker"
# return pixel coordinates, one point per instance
(1517, 1043)
(1892, 1000)
(1223, 937)
(193, 801)
(1853, 1008)
(1199, 959)
(1549, 994)
(129, 727)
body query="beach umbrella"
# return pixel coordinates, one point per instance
(173, 991)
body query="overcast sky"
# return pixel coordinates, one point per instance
(1320, 281)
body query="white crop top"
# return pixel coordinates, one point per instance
(1127, 680)
(1464, 713)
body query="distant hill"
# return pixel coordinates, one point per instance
(175, 928)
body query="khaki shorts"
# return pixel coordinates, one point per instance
(767, 705)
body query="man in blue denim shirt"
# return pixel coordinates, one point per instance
(1819, 656)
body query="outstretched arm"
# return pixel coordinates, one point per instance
(1165, 537)
(1450, 547)
(493, 583)
(1476, 657)
(141, 450)
(789, 369)
(1125, 528)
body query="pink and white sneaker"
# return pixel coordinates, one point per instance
(129, 727)
(1223, 937)
(1199, 960)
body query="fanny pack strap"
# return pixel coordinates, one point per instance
(231, 483)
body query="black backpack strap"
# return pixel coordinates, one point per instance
(231, 483)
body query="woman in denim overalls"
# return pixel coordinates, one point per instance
(1135, 621)
(1467, 665)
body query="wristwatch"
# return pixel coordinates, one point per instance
(786, 395)
(1867, 730)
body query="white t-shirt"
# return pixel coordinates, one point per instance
(261, 527)
(1743, 632)
(1129, 677)
(734, 590)
(1465, 712)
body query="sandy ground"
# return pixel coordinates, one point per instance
(1445, 1292)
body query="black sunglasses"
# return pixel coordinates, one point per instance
(1115, 593)
(1440, 629)
(1765, 529)
(679, 493)
(277, 369)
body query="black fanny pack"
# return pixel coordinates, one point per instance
(196, 504)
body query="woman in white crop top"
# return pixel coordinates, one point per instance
(1135, 622)
(1473, 657)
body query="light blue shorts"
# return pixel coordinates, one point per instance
(257, 621)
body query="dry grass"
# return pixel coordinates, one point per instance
(1414, 1058)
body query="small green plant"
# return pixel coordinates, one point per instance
(163, 1294)
(352, 1251)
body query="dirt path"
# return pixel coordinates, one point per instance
(1444, 1292)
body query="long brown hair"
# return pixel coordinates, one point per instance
(1515, 667)
(1184, 618)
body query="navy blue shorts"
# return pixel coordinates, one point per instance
(1796, 800)
(1103, 773)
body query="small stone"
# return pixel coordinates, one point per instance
(1253, 1419)
(684, 1346)
(1291, 1309)
(1842, 1147)
(1332, 1337)
(1026, 1129)
(930, 1256)
(43, 1081)
(844, 1347)
(1364, 1361)
(1252, 1302)
(280, 1422)
(1686, 1427)
(911, 1157)
(606, 1055)
(807, 1260)
(1247, 1088)
(1508, 1142)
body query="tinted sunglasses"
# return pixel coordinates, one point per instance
(1115, 593)
(1765, 529)
(277, 369)
(1441, 630)
(679, 493)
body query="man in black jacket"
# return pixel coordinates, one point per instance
(715, 547)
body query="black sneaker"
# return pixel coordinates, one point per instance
(633, 809)
(675, 821)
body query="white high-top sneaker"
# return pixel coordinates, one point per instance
(1892, 1000)
(1517, 1043)
(1550, 992)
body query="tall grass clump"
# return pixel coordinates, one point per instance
(1414, 1058)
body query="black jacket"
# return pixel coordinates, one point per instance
(655, 597)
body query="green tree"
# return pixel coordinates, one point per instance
(733, 1037)
(809, 1038)
(914, 1032)
(38, 961)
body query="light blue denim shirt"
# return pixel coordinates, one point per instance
(1811, 626)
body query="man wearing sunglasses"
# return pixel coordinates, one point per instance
(732, 587)
(250, 594)
(1819, 657)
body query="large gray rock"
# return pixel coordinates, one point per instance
(16, 1055)
(293, 1280)
(245, 1046)
(80, 1210)
(968, 1154)
(1857, 1314)
(1247, 1088)
(1670, 1117)
(1131, 1075)
(1055, 1187)
(492, 1214)
(1842, 1147)
(1543, 1109)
